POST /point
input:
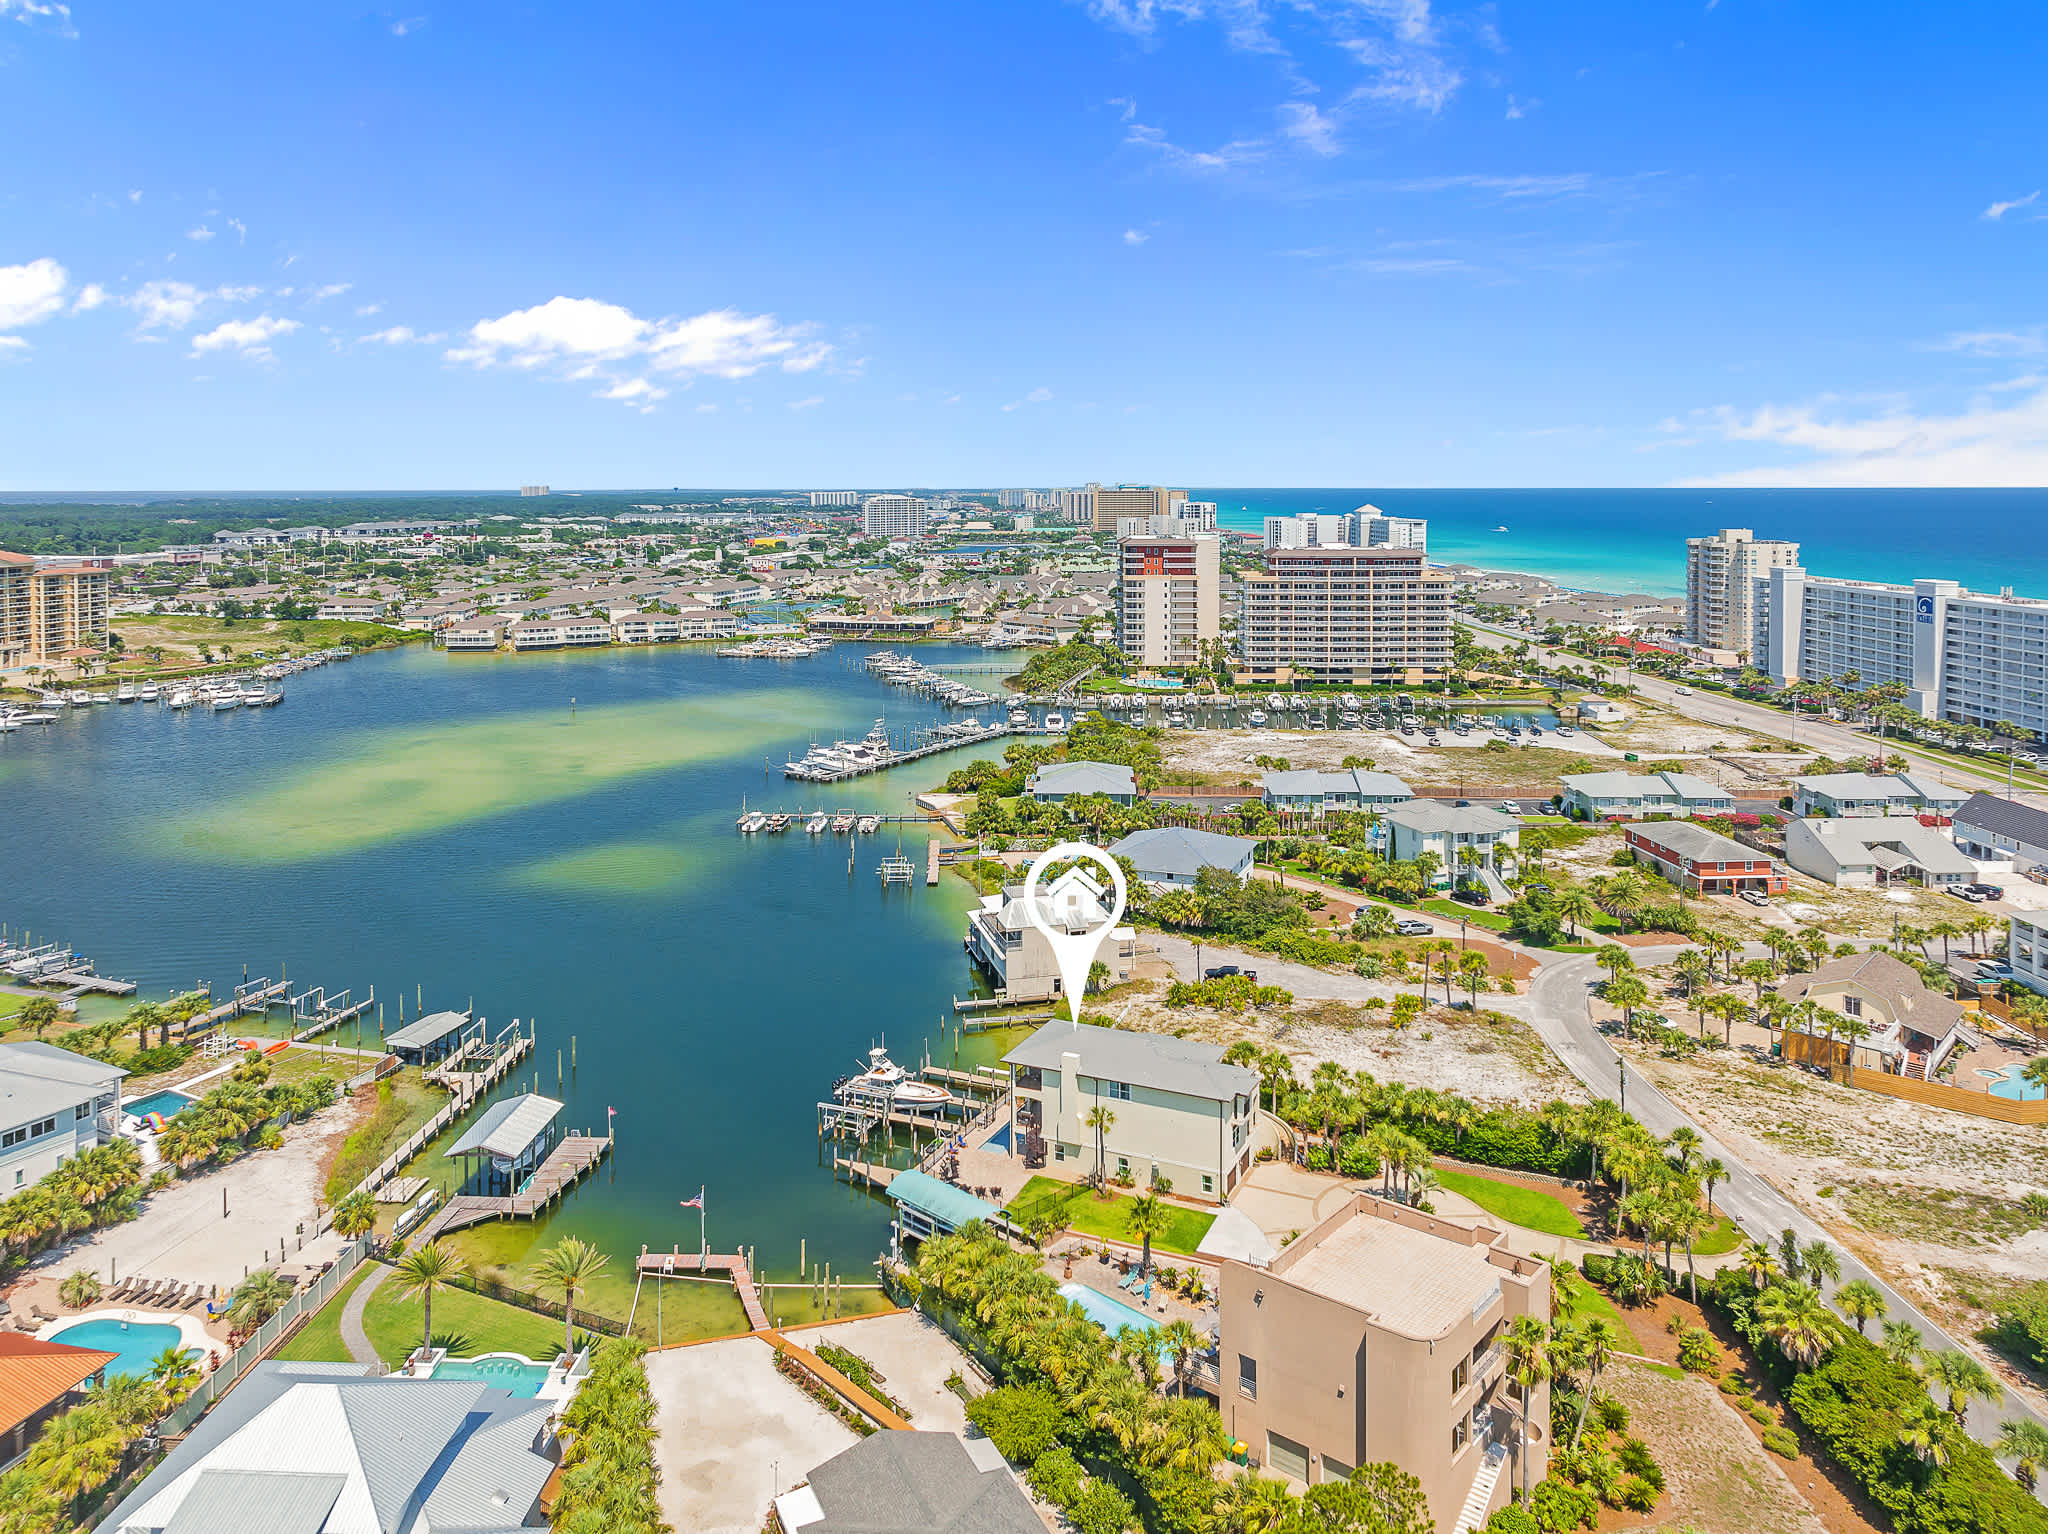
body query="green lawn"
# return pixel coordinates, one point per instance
(1530, 1208)
(1091, 1216)
(319, 1340)
(1593, 1301)
(404, 1102)
(466, 1324)
(1726, 1236)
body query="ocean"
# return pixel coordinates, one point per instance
(1634, 540)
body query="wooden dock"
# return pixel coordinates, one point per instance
(75, 984)
(991, 1081)
(658, 1264)
(931, 862)
(257, 996)
(572, 1156)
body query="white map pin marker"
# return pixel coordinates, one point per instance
(1074, 952)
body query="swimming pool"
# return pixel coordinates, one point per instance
(504, 1371)
(2007, 1083)
(138, 1342)
(1111, 1315)
(170, 1104)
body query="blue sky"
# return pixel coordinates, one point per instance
(1265, 243)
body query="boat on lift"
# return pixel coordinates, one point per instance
(883, 1074)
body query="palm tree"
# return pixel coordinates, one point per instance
(1147, 1217)
(1528, 1365)
(78, 1450)
(569, 1266)
(1600, 1339)
(355, 1214)
(1818, 1260)
(1101, 1119)
(259, 1297)
(1759, 1262)
(1713, 1170)
(1689, 1222)
(1965, 1380)
(1249, 1504)
(79, 1289)
(175, 1374)
(1902, 1344)
(1862, 1302)
(1576, 907)
(1926, 1432)
(2024, 1441)
(422, 1272)
(1627, 993)
(1794, 1316)
(1184, 1340)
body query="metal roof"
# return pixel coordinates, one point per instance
(1309, 782)
(430, 1029)
(507, 1127)
(1186, 1066)
(1082, 778)
(37, 1080)
(1182, 851)
(1435, 815)
(947, 1205)
(275, 1501)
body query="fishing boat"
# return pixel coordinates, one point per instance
(778, 821)
(1020, 717)
(125, 693)
(752, 821)
(870, 824)
(885, 1075)
(818, 823)
(842, 822)
(226, 700)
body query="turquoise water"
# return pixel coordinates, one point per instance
(1634, 540)
(170, 1104)
(715, 985)
(138, 1343)
(518, 1375)
(1110, 1314)
(2007, 1083)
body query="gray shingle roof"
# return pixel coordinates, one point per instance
(2005, 817)
(1435, 815)
(917, 1483)
(1082, 778)
(1182, 851)
(1157, 1060)
(1698, 843)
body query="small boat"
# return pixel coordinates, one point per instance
(752, 821)
(818, 823)
(870, 824)
(149, 692)
(778, 821)
(842, 822)
(1055, 722)
(226, 700)
(125, 693)
(99, 697)
(1020, 716)
(180, 698)
(883, 1074)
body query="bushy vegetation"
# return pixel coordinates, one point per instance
(1052, 668)
(2023, 1323)
(1080, 1411)
(608, 1474)
(96, 1188)
(239, 1112)
(82, 1449)
(1227, 993)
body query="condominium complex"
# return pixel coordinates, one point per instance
(48, 611)
(1721, 573)
(1169, 602)
(1345, 615)
(1376, 1337)
(1076, 506)
(1112, 502)
(834, 497)
(1960, 655)
(1366, 528)
(892, 516)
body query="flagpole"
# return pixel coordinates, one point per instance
(703, 1244)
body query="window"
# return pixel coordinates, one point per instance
(13, 1137)
(42, 1127)
(1123, 1166)
(1208, 1183)
(17, 1177)
(1461, 1374)
(1120, 1090)
(1247, 1377)
(1460, 1432)
(82, 1111)
(1853, 1005)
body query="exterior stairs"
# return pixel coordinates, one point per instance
(1473, 1514)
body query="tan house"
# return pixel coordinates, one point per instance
(1912, 1031)
(1177, 1112)
(1376, 1336)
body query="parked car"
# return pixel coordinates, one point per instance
(1683, 692)
(1754, 897)
(1224, 971)
(1510, 807)
(1968, 892)
(1988, 891)
(1409, 927)
(1472, 893)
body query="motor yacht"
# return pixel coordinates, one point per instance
(1257, 716)
(752, 821)
(818, 824)
(180, 698)
(885, 1075)
(1055, 722)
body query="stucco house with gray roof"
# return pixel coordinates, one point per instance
(1171, 856)
(53, 1105)
(910, 1483)
(1309, 792)
(1055, 781)
(1630, 796)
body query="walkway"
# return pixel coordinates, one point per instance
(353, 1337)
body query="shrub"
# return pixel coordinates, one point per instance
(1560, 1507)
(2023, 1323)
(1102, 1509)
(1758, 1412)
(1513, 1519)
(1698, 1353)
(1056, 1476)
(1636, 1459)
(1613, 1414)
(608, 1474)
(1782, 1442)
(1636, 1494)
(1022, 1421)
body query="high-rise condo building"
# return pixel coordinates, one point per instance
(834, 497)
(1308, 530)
(1134, 501)
(1345, 615)
(1721, 573)
(49, 610)
(1372, 528)
(1198, 516)
(892, 516)
(1366, 528)
(1169, 602)
(14, 609)
(1961, 655)
(1077, 506)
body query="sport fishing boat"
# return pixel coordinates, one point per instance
(884, 1074)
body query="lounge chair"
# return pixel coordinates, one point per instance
(117, 1290)
(177, 1296)
(164, 1295)
(40, 1314)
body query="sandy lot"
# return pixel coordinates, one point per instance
(914, 1357)
(731, 1434)
(1229, 754)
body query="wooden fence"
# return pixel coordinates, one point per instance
(1934, 1094)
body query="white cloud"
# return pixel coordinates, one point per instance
(31, 292)
(1998, 210)
(201, 234)
(241, 231)
(1133, 237)
(406, 26)
(1516, 111)
(637, 392)
(248, 338)
(404, 335)
(1509, 188)
(330, 290)
(1228, 157)
(1994, 343)
(1988, 444)
(706, 409)
(91, 296)
(809, 401)
(1308, 127)
(48, 13)
(1140, 18)
(585, 338)
(1038, 396)
(364, 311)
(12, 344)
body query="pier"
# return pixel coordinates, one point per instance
(76, 985)
(321, 1012)
(946, 738)
(250, 996)
(678, 1262)
(572, 1156)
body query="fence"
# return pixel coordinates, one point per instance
(1934, 1094)
(525, 1299)
(266, 1337)
(390, 1065)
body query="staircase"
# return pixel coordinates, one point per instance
(1473, 1514)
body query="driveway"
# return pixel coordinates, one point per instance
(731, 1434)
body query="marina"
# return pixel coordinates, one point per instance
(879, 750)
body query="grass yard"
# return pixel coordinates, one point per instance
(1109, 1218)
(319, 1340)
(1725, 1237)
(1529, 1208)
(465, 1324)
(1593, 1302)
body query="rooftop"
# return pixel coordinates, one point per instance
(1435, 815)
(507, 1127)
(910, 1483)
(2012, 818)
(38, 1079)
(1697, 842)
(430, 1029)
(1082, 778)
(1185, 1066)
(1182, 851)
(36, 1374)
(1410, 1281)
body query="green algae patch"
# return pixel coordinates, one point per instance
(417, 780)
(610, 868)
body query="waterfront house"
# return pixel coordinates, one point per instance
(1857, 794)
(1002, 938)
(2010, 835)
(1600, 711)
(352, 609)
(706, 623)
(1630, 796)
(1449, 831)
(1318, 793)
(1055, 781)
(559, 633)
(2026, 949)
(476, 634)
(1870, 851)
(1376, 1337)
(1912, 1031)
(53, 1105)
(37, 1381)
(1703, 861)
(910, 1483)
(644, 628)
(319, 1448)
(1168, 857)
(1179, 1113)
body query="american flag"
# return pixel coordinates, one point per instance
(694, 1203)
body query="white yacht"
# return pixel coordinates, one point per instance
(883, 1074)
(1055, 722)
(149, 692)
(1256, 717)
(125, 693)
(818, 824)
(181, 697)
